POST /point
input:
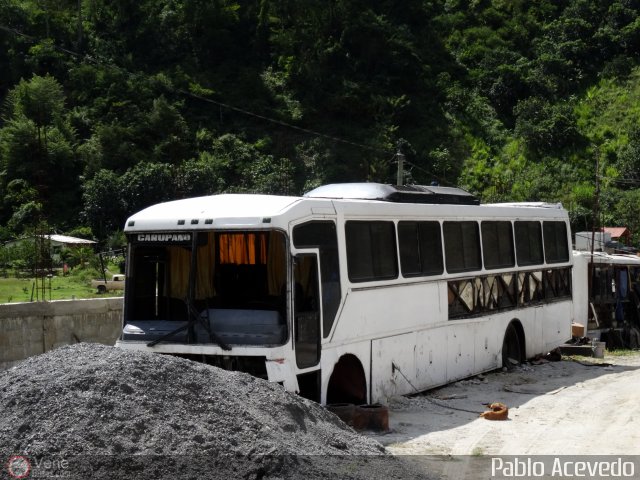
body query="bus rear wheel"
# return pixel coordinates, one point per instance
(511, 348)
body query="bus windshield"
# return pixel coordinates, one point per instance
(229, 282)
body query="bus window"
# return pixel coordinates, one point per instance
(497, 245)
(322, 235)
(556, 248)
(462, 246)
(528, 243)
(371, 251)
(420, 248)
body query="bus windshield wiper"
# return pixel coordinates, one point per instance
(194, 319)
(192, 314)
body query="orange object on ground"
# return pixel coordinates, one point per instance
(498, 411)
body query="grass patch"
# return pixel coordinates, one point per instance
(477, 452)
(58, 287)
(622, 352)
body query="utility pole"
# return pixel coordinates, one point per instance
(79, 47)
(593, 228)
(596, 203)
(400, 177)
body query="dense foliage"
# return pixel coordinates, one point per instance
(109, 106)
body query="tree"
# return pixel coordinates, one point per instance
(545, 127)
(629, 159)
(146, 184)
(103, 201)
(37, 147)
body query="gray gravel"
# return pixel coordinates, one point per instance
(93, 410)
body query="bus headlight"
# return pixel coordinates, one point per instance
(132, 330)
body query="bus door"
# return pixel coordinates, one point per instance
(306, 311)
(306, 323)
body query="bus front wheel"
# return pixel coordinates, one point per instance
(347, 383)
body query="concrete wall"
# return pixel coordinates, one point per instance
(28, 329)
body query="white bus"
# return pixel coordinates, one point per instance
(353, 293)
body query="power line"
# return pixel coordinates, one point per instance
(626, 181)
(280, 122)
(204, 99)
(431, 174)
(228, 106)
(34, 39)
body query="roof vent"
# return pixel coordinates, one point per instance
(432, 194)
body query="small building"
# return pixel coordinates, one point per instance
(583, 241)
(66, 241)
(607, 239)
(57, 243)
(60, 242)
(619, 234)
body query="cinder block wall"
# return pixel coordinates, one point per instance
(28, 329)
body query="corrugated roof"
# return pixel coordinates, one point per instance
(616, 232)
(70, 240)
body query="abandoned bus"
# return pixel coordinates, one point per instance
(352, 293)
(606, 297)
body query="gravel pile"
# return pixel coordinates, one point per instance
(92, 410)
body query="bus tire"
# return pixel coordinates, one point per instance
(371, 417)
(511, 348)
(344, 411)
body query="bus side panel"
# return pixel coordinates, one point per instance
(546, 326)
(534, 328)
(460, 350)
(388, 311)
(393, 366)
(580, 282)
(557, 327)
(431, 358)
(486, 345)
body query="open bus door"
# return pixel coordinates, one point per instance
(306, 324)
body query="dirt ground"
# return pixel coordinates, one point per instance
(580, 406)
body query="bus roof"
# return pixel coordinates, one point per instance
(607, 258)
(203, 212)
(526, 204)
(352, 200)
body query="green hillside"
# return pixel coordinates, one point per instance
(110, 106)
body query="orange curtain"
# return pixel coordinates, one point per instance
(276, 265)
(303, 270)
(243, 248)
(178, 272)
(204, 279)
(179, 264)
